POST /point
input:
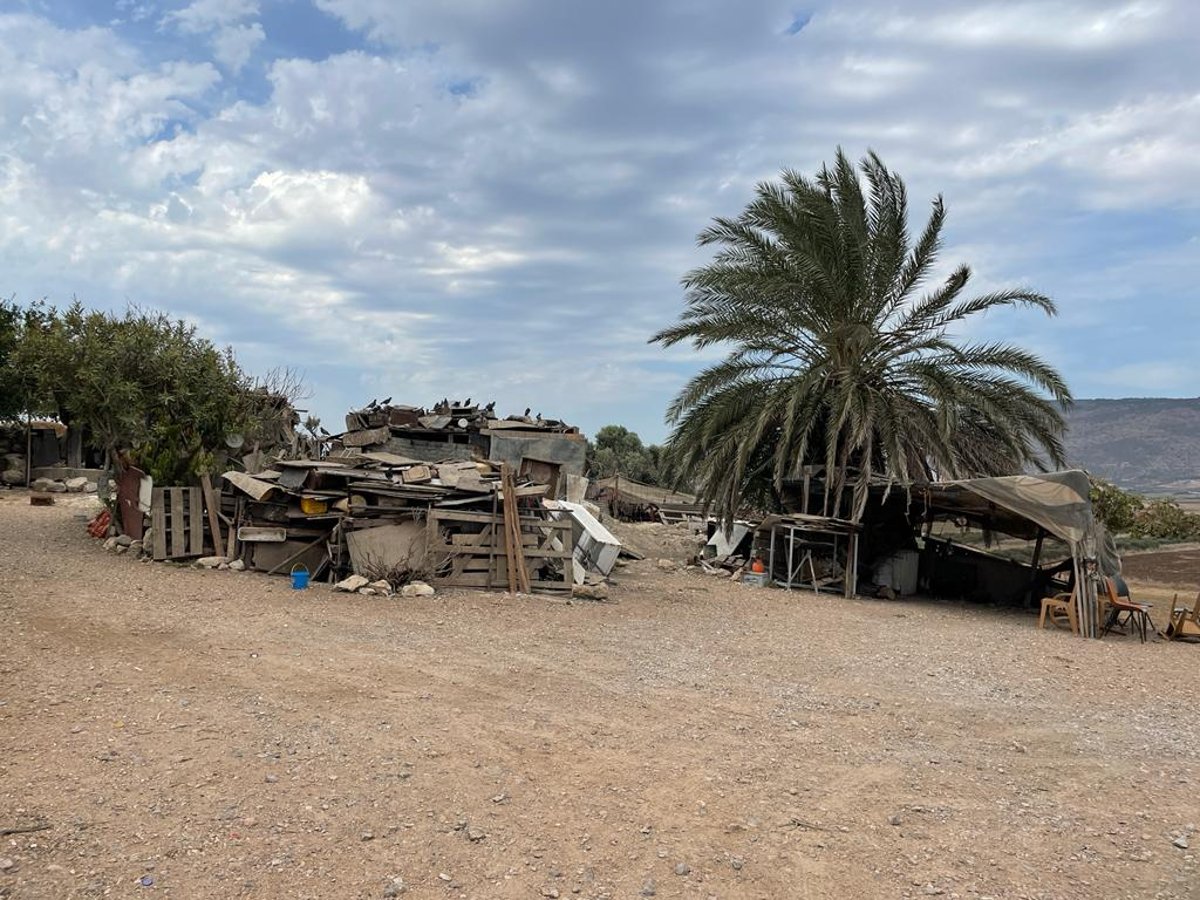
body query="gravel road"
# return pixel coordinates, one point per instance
(209, 734)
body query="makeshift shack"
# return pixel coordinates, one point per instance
(631, 501)
(894, 549)
(455, 495)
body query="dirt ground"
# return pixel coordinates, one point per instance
(1178, 567)
(215, 734)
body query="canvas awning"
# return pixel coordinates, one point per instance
(1058, 503)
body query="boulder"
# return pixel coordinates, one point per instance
(237, 566)
(13, 477)
(90, 488)
(382, 586)
(110, 544)
(76, 485)
(368, 591)
(417, 589)
(124, 540)
(42, 484)
(351, 584)
(210, 562)
(667, 565)
(14, 461)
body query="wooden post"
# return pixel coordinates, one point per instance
(1037, 558)
(28, 448)
(210, 503)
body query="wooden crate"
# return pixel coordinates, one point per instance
(177, 514)
(467, 549)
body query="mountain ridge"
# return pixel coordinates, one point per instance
(1144, 444)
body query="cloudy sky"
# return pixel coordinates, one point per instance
(496, 198)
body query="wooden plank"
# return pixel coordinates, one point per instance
(210, 503)
(255, 533)
(367, 437)
(231, 548)
(175, 523)
(158, 520)
(195, 521)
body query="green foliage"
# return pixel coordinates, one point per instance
(12, 386)
(1155, 520)
(1116, 509)
(1167, 520)
(617, 450)
(837, 357)
(140, 384)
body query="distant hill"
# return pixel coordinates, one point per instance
(1150, 445)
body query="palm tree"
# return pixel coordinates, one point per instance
(840, 355)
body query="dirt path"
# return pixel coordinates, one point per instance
(223, 736)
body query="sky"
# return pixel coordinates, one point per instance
(496, 199)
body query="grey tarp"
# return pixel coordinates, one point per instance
(1058, 502)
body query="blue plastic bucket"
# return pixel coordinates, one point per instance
(299, 578)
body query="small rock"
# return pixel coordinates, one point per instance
(120, 549)
(351, 584)
(475, 835)
(590, 591)
(932, 890)
(737, 862)
(682, 869)
(237, 566)
(382, 586)
(6, 864)
(124, 540)
(894, 820)
(210, 562)
(367, 836)
(649, 888)
(1181, 842)
(417, 589)
(110, 544)
(136, 547)
(550, 892)
(271, 779)
(395, 887)
(667, 565)
(368, 591)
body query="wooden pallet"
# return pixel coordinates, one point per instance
(177, 514)
(468, 549)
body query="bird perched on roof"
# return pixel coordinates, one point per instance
(491, 407)
(527, 411)
(386, 401)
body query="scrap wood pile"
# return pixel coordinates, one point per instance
(452, 517)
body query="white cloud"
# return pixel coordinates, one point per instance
(506, 185)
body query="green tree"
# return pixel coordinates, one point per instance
(13, 400)
(140, 383)
(838, 354)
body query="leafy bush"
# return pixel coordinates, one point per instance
(1127, 513)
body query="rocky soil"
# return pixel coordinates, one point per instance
(209, 734)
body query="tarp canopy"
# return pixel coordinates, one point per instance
(1057, 502)
(629, 491)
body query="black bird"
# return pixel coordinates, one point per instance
(467, 402)
(386, 401)
(527, 411)
(491, 407)
(321, 428)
